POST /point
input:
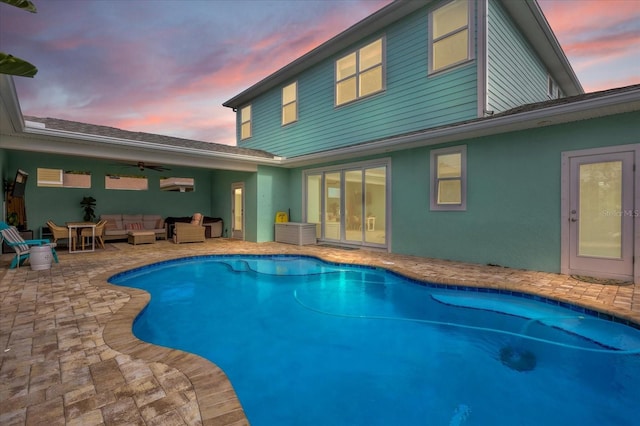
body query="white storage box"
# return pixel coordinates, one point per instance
(296, 233)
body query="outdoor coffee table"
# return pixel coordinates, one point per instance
(141, 237)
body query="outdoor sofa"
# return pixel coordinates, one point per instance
(119, 226)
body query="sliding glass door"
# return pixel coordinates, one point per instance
(349, 204)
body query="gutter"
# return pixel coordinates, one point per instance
(128, 143)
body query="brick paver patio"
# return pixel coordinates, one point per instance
(68, 355)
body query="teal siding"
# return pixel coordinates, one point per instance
(412, 100)
(515, 75)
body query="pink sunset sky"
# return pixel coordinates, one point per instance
(167, 66)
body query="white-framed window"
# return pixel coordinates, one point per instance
(449, 178)
(245, 122)
(290, 103)
(58, 178)
(126, 182)
(360, 73)
(450, 35)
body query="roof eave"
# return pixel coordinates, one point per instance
(530, 19)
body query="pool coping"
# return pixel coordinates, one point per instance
(217, 401)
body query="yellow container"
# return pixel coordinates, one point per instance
(282, 217)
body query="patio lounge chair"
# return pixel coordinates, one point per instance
(61, 233)
(21, 246)
(189, 232)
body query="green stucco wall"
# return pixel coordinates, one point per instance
(221, 182)
(63, 204)
(273, 196)
(513, 195)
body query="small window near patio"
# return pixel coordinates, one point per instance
(126, 182)
(448, 178)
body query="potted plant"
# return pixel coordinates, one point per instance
(88, 204)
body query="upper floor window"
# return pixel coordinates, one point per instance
(245, 122)
(449, 35)
(360, 73)
(449, 178)
(290, 103)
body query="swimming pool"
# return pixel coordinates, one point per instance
(314, 343)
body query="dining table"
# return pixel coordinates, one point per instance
(76, 227)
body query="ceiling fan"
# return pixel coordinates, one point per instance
(141, 165)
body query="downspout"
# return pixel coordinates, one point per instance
(482, 62)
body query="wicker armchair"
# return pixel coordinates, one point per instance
(61, 233)
(189, 232)
(86, 233)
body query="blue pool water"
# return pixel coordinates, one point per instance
(311, 343)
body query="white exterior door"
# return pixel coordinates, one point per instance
(599, 213)
(237, 211)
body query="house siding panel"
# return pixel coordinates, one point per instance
(515, 76)
(412, 100)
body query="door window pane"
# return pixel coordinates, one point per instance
(237, 209)
(353, 205)
(333, 206)
(375, 205)
(314, 202)
(600, 199)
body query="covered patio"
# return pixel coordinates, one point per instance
(68, 355)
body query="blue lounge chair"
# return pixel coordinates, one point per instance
(12, 238)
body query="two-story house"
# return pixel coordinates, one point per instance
(452, 129)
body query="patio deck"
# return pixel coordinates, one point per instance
(68, 355)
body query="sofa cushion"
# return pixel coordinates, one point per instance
(131, 218)
(152, 221)
(136, 226)
(114, 221)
